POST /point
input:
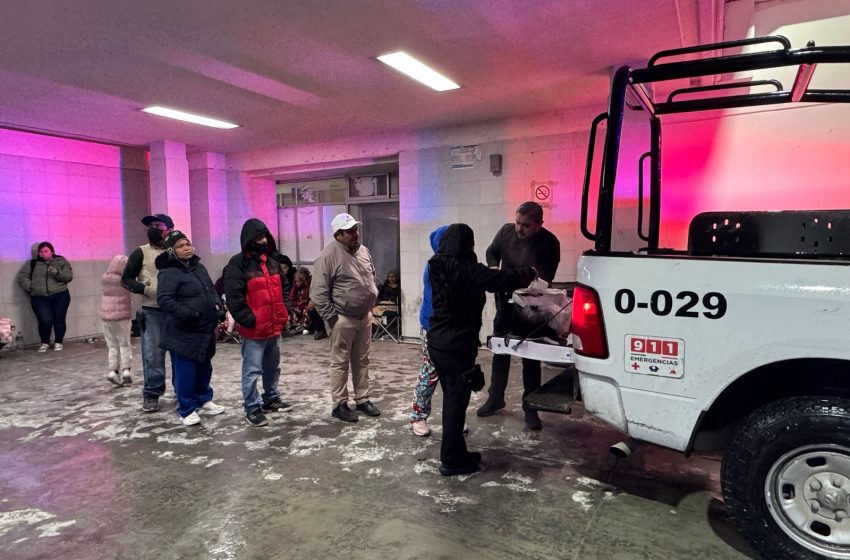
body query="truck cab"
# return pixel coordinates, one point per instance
(739, 340)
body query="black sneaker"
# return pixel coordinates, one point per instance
(344, 413)
(368, 409)
(150, 404)
(256, 418)
(489, 407)
(276, 405)
(532, 421)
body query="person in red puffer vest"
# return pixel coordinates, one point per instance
(254, 288)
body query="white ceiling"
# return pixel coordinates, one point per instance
(297, 71)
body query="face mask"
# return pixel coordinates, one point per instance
(154, 236)
(261, 248)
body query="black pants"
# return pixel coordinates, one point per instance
(456, 392)
(50, 312)
(502, 363)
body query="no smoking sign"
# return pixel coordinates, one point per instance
(541, 192)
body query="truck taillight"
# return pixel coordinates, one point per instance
(587, 327)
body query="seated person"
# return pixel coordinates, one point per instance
(389, 298)
(299, 297)
(390, 290)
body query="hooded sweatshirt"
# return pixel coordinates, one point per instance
(427, 307)
(458, 283)
(116, 302)
(254, 286)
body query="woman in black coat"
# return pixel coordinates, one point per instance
(193, 309)
(458, 283)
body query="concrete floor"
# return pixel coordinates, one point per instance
(84, 474)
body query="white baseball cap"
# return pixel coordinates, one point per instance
(343, 221)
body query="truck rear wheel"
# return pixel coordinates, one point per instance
(786, 478)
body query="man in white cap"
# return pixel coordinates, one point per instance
(344, 290)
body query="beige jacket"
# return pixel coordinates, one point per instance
(343, 284)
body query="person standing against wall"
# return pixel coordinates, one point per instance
(140, 277)
(116, 308)
(523, 243)
(45, 278)
(344, 289)
(254, 287)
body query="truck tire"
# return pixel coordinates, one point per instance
(786, 479)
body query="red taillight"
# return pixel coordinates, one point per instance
(587, 327)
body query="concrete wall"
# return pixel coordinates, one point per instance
(85, 199)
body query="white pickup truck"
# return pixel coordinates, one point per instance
(740, 342)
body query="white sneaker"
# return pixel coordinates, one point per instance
(211, 409)
(420, 427)
(192, 419)
(126, 377)
(57, 347)
(113, 378)
(44, 348)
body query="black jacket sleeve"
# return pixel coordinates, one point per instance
(235, 291)
(548, 262)
(494, 280)
(494, 251)
(131, 271)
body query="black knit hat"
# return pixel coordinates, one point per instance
(173, 237)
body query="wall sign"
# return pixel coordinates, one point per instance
(465, 157)
(542, 191)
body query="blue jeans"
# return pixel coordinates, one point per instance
(191, 383)
(50, 312)
(153, 357)
(260, 358)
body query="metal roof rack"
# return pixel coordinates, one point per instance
(631, 82)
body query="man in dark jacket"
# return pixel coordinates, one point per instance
(458, 283)
(254, 285)
(523, 243)
(192, 309)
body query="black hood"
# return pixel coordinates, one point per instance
(458, 241)
(251, 229)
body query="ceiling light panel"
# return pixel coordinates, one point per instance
(188, 117)
(415, 69)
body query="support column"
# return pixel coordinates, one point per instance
(208, 194)
(170, 183)
(250, 197)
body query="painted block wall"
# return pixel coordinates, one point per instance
(85, 199)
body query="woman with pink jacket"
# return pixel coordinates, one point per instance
(115, 310)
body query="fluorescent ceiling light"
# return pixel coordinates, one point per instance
(188, 117)
(411, 67)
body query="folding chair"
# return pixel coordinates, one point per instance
(386, 321)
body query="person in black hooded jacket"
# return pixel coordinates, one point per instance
(458, 283)
(186, 295)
